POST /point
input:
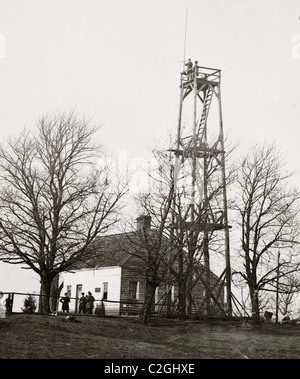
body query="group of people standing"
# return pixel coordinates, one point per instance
(86, 303)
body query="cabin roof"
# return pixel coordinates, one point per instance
(112, 250)
(116, 249)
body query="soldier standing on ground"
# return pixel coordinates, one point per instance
(65, 303)
(90, 303)
(82, 303)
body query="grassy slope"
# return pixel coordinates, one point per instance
(38, 336)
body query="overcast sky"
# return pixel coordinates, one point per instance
(120, 62)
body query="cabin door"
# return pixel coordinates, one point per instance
(78, 294)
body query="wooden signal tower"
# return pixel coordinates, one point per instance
(199, 171)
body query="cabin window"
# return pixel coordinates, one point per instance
(105, 290)
(69, 290)
(133, 290)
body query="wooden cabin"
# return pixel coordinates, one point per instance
(116, 278)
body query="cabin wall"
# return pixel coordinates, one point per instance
(218, 293)
(92, 280)
(198, 293)
(132, 271)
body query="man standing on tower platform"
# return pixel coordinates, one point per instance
(189, 69)
(196, 68)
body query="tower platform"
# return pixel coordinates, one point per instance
(205, 77)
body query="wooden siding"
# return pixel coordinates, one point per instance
(92, 280)
(198, 297)
(132, 272)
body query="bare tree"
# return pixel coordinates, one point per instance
(152, 246)
(152, 250)
(282, 291)
(54, 201)
(168, 219)
(288, 287)
(268, 213)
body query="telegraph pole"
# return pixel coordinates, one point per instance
(277, 286)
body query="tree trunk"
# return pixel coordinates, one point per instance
(182, 299)
(55, 293)
(207, 277)
(182, 286)
(254, 305)
(45, 293)
(168, 301)
(146, 308)
(189, 297)
(189, 280)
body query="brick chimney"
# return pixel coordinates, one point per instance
(143, 223)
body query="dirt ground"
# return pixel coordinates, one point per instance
(25, 336)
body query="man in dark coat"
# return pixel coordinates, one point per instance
(90, 303)
(65, 303)
(189, 69)
(82, 303)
